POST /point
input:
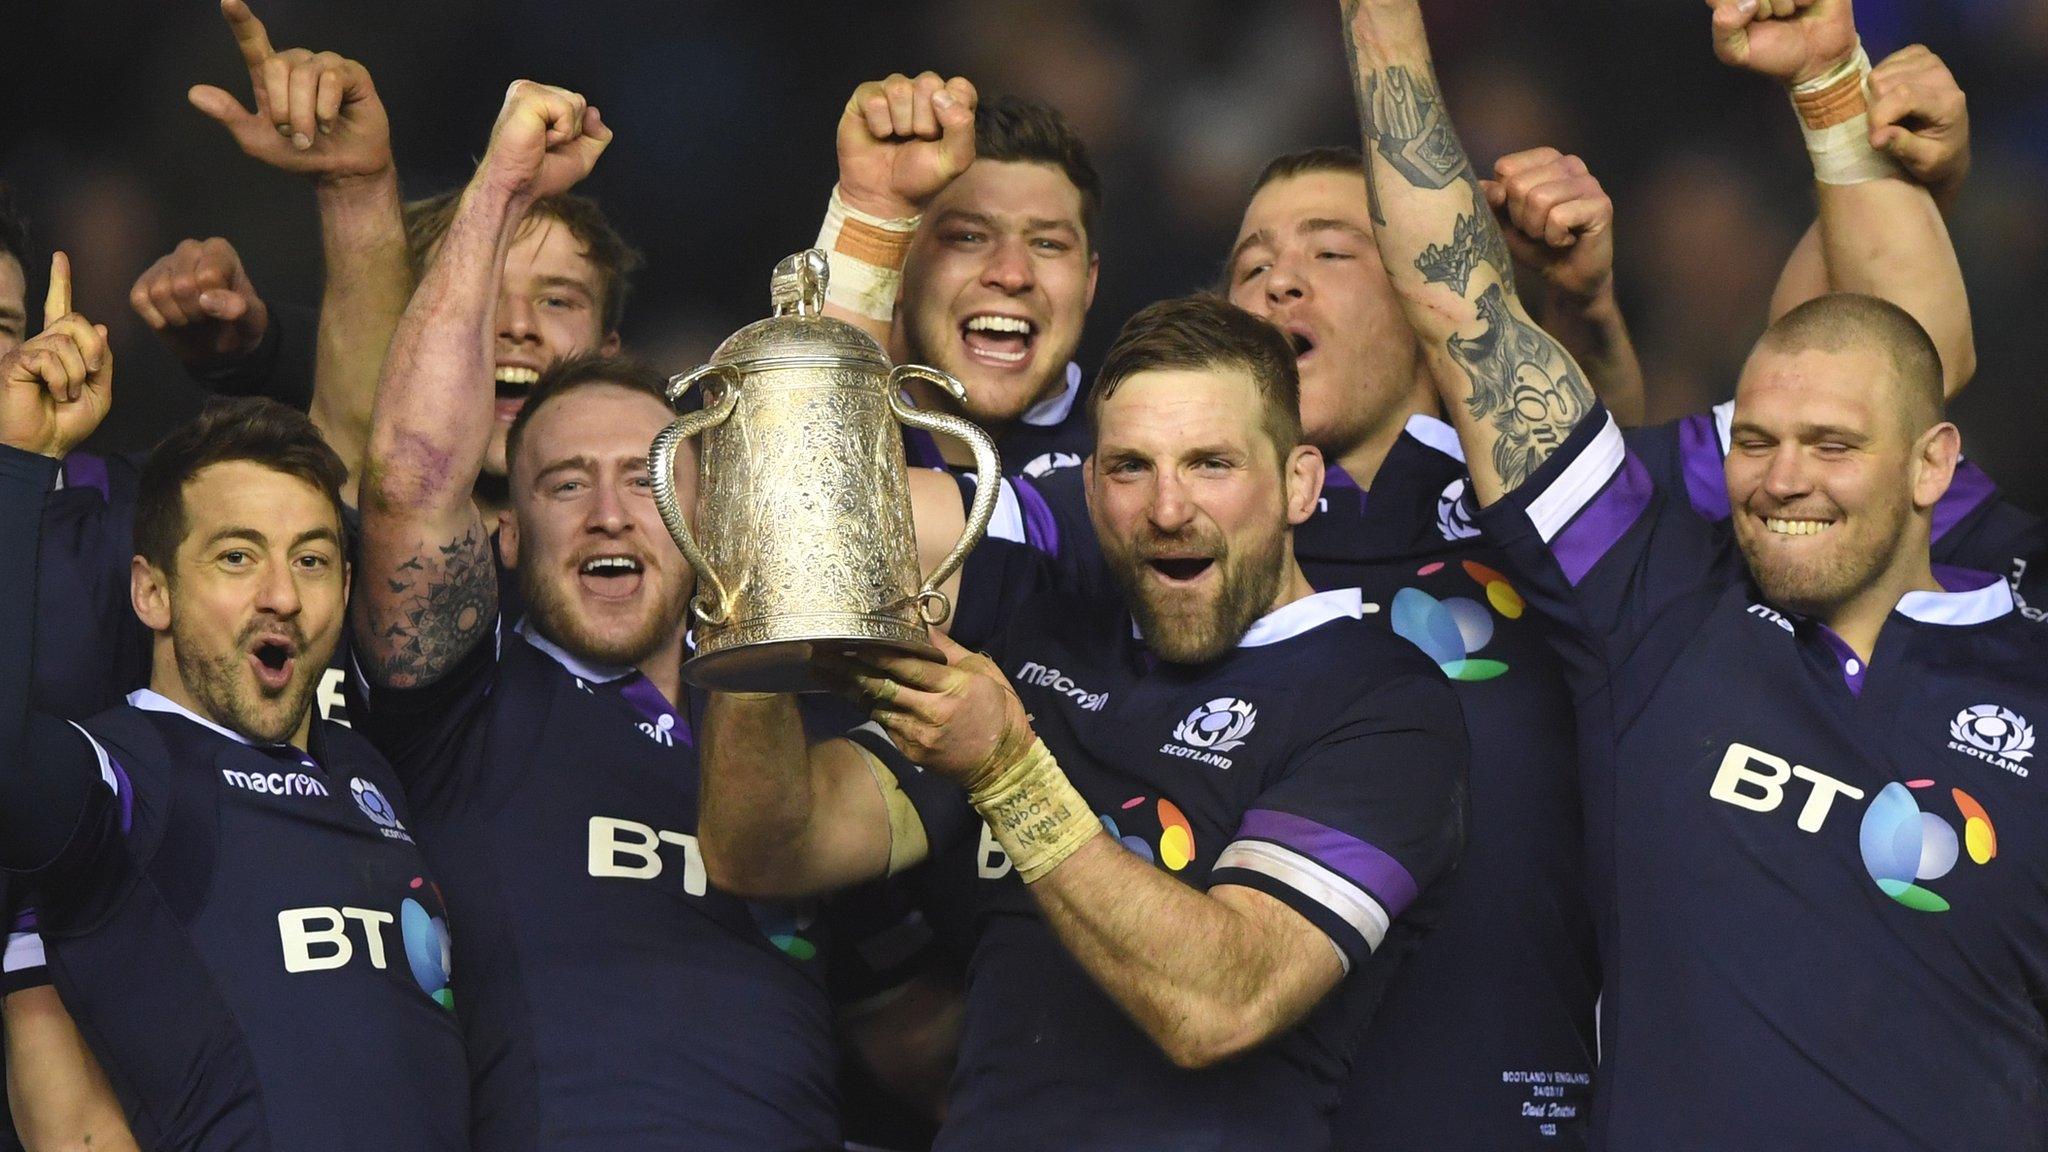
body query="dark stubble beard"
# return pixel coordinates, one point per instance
(1196, 632)
(218, 685)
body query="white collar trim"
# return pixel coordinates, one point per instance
(1292, 619)
(580, 668)
(1724, 424)
(1437, 435)
(1971, 606)
(1054, 409)
(150, 700)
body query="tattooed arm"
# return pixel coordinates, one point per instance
(1511, 390)
(427, 589)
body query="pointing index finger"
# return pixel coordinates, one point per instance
(57, 304)
(250, 35)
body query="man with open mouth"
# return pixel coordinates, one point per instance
(1218, 806)
(1803, 743)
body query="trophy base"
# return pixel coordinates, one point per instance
(785, 665)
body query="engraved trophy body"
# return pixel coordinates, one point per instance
(806, 541)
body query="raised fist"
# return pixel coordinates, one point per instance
(199, 302)
(1788, 40)
(56, 387)
(317, 114)
(901, 141)
(1919, 117)
(546, 140)
(1556, 218)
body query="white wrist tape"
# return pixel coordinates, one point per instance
(865, 254)
(1834, 116)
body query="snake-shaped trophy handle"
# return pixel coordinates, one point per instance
(932, 605)
(661, 464)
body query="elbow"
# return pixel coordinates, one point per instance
(1218, 1035)
(1959, 367)
(738, 873)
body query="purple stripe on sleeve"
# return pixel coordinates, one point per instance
(127, 787)
(85, 470)
(1340, 852)
(1966, 493)
(1041, 531)
(1699, 453)
(1602, 521)
(920, 450)
(24, 920)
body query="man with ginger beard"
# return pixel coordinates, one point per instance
(619, 999)
(1281, 786)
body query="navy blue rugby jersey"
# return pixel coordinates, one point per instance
(1052, 436)
(1974, 525)
(247, 937)
(612, 997)
(1321, 761)
(1823, 910)
(1485, 1038)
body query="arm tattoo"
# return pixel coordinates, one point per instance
(1475, 240)
(438, 607)
(1358, 83)
(1524, 383)
(1410, 128)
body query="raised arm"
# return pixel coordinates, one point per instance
(428, 588)
(1920, 118)
(1511, 389)
(1559, 223)
(900, 141)
(318, 115)
(1880, 231)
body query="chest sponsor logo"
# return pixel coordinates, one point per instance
(378, 808)
(1046, 462)
(1994, 735)
(1902, 843)
(320, 939)
(329, 700)
(1454, 516)
(1038, 675)
(629, 850)
(275, 783)
(661, 731)
(1454, 631)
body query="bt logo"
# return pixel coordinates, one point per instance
(1899, 842)
(318, 939)
(1449, 631)
(630, 850)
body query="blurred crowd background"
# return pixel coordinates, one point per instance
(724, 114)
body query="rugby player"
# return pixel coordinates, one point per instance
(619, 998)
(1796, 742)
(183, 844)
(1216, 832)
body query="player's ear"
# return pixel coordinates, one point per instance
(1303, 473)
(1934, 464)
(610, 347)
(149, 590)
(508, 538)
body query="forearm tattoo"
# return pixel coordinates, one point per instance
(1522, 382)
(1475, 240)
(434, 608)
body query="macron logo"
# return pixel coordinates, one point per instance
(275, 783)
(1038, 674)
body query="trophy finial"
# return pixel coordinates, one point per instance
(799, 283)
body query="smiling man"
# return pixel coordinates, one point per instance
(1217, 807)
(1803, 749)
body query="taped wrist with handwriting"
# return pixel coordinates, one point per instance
(1036, 813)
(1834, 116)
(865, 254)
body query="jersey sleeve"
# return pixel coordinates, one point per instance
(941, 805)
(1602, 552)
(999, 574)
(90, 649)
(279, 367)
(21, 964)
(422, 732)
(880, 941)
(1364, 820)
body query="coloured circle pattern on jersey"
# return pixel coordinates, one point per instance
(1176, 836)
(784, 928)
(1453, 630)
(427, 947)
(1903, 845)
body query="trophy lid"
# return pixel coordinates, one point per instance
(800, 329)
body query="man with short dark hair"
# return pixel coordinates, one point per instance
(1281, 787)
(1803, 754)
(209, 827)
